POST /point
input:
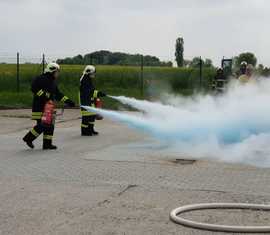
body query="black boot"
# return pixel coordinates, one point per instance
(92, 130)
(28, 139)
(85, 131)
(47, 145)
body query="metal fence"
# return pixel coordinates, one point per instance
(41, 61)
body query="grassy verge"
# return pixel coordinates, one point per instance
(114, 80)
(9, 99)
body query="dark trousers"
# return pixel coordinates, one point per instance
(38, 129)
(88, 124)
(88, 120)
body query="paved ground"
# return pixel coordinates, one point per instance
(120, 182)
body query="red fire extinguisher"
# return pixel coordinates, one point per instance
(98, 104)
(49, 114)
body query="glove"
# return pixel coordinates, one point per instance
(70, 103)
(101, 94)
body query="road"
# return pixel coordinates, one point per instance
(120, 182)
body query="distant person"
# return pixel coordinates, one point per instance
(243, 68)
(88, 96)
(247, 77)
(219, 82)
(45, 91)
(250, 70)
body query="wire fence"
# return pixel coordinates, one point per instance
(17, 71)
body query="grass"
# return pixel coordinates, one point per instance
(12, 99)
(114, 80)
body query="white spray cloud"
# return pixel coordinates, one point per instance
(234, 127)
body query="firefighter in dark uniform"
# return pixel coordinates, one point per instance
(243, 68)
(219, 83)
(45, 89)
(247, 77)
(88, 95)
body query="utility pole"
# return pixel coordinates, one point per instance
(200, 72)
(142, 79)
(18, 72)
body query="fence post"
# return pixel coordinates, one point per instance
(142, 78)
(43, 63)
(18, 72)
(200, 72)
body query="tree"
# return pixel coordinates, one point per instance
(260, 68)
(78, 59)
(266, 72)
(263, 71)
(195, 62)
(114, 58)
(208, 63)
(249, 57)
(179, 52)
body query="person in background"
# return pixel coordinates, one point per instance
(247, 77)
(249, 71)
(243, 68)
(219, 82)
(88, 95)
(45, 91)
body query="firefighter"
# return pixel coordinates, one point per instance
(247, 77)
(219, 82)
(88, 95)
(249, 71)
(243, 68)
(45, 91)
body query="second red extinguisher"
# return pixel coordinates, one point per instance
(98, 104)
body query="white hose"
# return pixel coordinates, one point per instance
(174, 215)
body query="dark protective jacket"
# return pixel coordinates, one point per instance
(44, 88)
(219, 82)
(88, 94)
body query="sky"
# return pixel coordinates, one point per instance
(210, 28)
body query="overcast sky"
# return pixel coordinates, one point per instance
(210, 28)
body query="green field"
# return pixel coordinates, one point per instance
(114, 80)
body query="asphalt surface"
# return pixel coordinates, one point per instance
(120, 182)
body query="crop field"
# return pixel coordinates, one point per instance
(114, 80)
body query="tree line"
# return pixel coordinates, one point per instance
(104, 57)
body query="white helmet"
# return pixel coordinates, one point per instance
(52, 67)
(244, 63)
(89, 69)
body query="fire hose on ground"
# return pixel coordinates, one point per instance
(175, 217)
